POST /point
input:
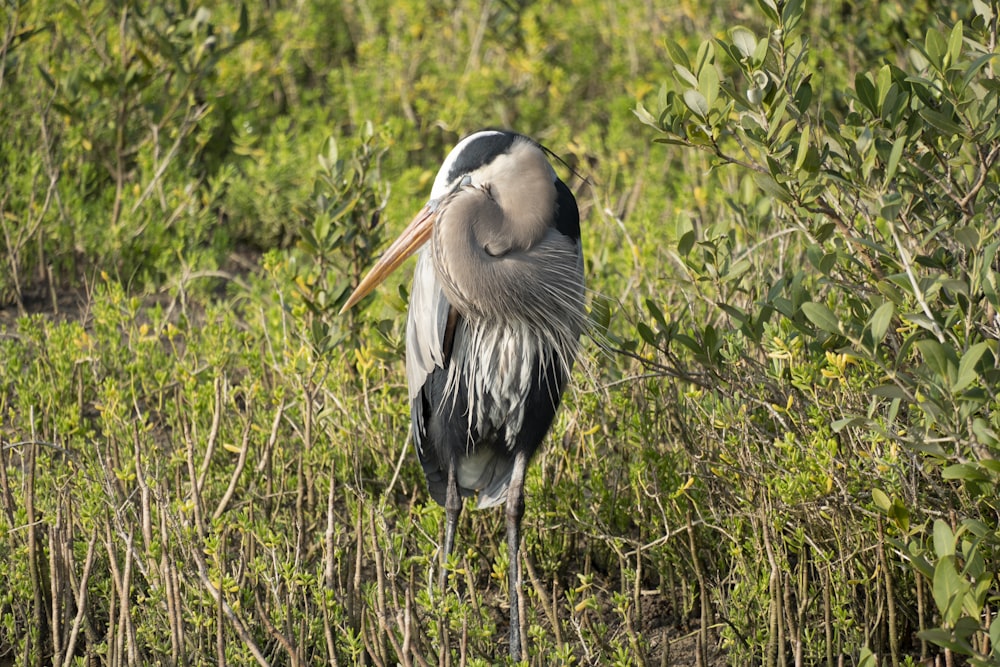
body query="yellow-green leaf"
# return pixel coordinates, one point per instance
(881, 500)
(803, 151)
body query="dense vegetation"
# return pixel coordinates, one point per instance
(781, 448)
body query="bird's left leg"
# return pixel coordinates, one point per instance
(514, 512)
(452, 510)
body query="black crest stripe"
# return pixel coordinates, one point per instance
(480, 152)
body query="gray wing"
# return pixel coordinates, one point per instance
(426, 323)
(427, 373)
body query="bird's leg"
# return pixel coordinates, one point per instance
(515, 510)
(452, 509)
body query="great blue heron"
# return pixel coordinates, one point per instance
(496, 312)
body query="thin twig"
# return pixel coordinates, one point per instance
(213, 434)
(918, 294)
(237, 471)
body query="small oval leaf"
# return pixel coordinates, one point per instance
(944, 539)
(894, 155)
(881, 500)
(822, 317)
(697, 103)
(744, 41)
(880, 320)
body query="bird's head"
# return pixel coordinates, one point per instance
(482, 158)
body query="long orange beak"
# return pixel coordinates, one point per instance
(414, 236)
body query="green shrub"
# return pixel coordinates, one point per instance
(854, 305)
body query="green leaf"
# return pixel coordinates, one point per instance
(690, 343)
(600, 313)
(935, 48)
(941, 122)
(822, 317)
(967, 366)
(771, 187)
(949, 589)
(804, 95)
(884, 83)
(770, 9)
(684, 75)
(881, 500)
(734, 312)
(791, 13)
(47, 77)
(865, 91)
(646, 333)
(900, 515)
(944, 539)
(686, 242)
(894, 155)
(697, 103)
(645, 117)
(939, 637)
(968, 236)
(986, 11)
(803, 150)
(776, 112)
(677, 54)
(879, 322)
(708, 84)
(986, 436)
(783, 133)
(954, 45)
(977, 528)
(760, 53)
(840, 424)
(244, 27)
(921, 320)
(966, 472)
(705, 57)
(744, 41)
(656, 314)
(941, 358)
(890, 391)
(973, 69)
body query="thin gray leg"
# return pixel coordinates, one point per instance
(515, 510)
(452, 509)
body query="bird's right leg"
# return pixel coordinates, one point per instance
(514, 512)
(452, 509)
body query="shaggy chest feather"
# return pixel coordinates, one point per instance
(498, 367)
